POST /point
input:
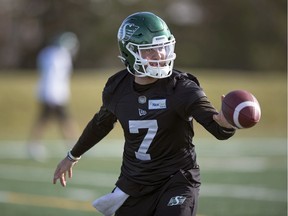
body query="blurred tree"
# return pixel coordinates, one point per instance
(247, 34)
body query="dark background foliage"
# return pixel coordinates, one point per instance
(246, 35)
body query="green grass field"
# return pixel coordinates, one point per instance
(18, 105)
(244, 176)
(239, 177)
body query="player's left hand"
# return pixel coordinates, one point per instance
(64, 167)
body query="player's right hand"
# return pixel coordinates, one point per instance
(64, 167)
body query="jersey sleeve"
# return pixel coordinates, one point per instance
(99, 126)
(113, 90)
(192, 103)
(202, 111)
(103, 121)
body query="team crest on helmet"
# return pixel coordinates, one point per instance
(126, 31)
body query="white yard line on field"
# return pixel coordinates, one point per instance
(236, 164)
(37, 174)
(245, 155)
(243, 192)
(84, 178)
(234, 157)
(206, 147)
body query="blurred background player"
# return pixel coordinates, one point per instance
(55, 64)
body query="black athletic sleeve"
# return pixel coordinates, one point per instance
(99, 126)
(191, 101)
(203, 111)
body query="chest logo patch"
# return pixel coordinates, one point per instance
(157, 104)
(142, 112)
(142, 99)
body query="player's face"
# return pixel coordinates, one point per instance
(154, 54)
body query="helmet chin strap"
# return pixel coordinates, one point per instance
(158, 72)
(155, 72)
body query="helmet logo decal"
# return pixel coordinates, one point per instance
(127, 31)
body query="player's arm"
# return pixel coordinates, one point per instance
(214, 122)
(190, 101)
(62, 169)
(220, 118)
(100, 125)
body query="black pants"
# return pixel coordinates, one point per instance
(57, 111)
(178, 197)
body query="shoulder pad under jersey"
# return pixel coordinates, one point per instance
(178, 75)
(112, 87)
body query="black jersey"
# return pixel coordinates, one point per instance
(157, 124)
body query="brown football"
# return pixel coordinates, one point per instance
(241, 109)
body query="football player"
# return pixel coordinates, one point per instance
(155, 105)
(55, 65)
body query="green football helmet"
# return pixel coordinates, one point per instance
(142, 32)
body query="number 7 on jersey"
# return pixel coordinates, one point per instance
(152, 126)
